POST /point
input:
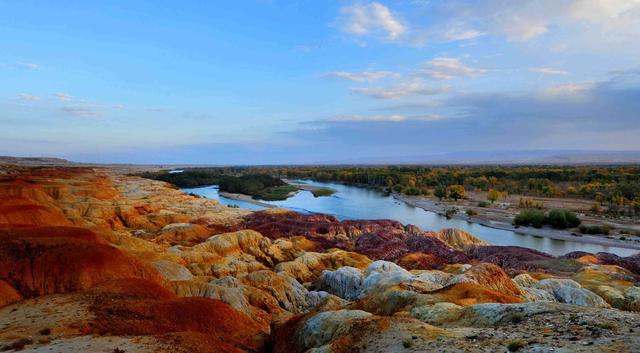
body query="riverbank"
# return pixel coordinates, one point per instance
(317, 191)
(504, 223)
(245, 198)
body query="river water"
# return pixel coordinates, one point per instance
(350, 202)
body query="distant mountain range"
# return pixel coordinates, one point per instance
(508, 157)
(558, 157)
(33, 160)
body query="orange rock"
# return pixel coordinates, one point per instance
(133, 288)
(13, 232)
(31, 214)
(418, 261)
(223, 328)
(493, 277)
(470, 293)
(36, 265)
(588, 259)
(8, 294)
(186, 234)
(459, 239)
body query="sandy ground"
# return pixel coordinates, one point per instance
(500, 219)
(245, 198)
(306, 187)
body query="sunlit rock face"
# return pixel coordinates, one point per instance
(459, 239)
(377, 239)
(107, 260)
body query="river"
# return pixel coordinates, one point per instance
(350, 202)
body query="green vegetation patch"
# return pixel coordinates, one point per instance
(258, 186)
(604, 229)
(322, 192)
(558, 219)
(275, 193)
(189, 178)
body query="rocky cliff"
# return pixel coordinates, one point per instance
(94, 260)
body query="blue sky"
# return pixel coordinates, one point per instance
(315, 81)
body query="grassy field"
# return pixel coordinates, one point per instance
(322, 192)
(275, 193)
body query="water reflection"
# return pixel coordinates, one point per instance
(360, 203)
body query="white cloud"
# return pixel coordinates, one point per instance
(518, 28)
(568, 89)
(28, 97)
(455, 34)
(600, 11)
(64, 97)
(28, 66)
(413, 88)
(81, 111)
(371, 19)
(528, 19)
(365, 76)
(445, 68)
(548, 71)
(395, 118)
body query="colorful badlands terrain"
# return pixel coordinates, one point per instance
(92, 260)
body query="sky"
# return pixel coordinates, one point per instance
(268, 81)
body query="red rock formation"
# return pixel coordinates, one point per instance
(509, 256)
(631, 263)
(397, 246)
(378, 239)
(22, 212)
(196, 324)
(493, 277)
(16, 232)
(67, 260)
(324, 229)
(8, 294)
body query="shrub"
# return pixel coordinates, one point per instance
(471, 213)
(455, 192)
(450, 212)
(530, 217)
(440, 192)
(411, 191)
(483, 204)
(515, 318)
(608, 325)
(559, 219)
(603, 229)
(515, 345)
(562, 219)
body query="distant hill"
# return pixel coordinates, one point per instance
(509, 157)
(33, 160)
(559, 157)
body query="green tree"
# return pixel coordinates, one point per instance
(562, 219)
(636, 205)
(493, 195)
(455, 192)
(440, 192)
(530, 217)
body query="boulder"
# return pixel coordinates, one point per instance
(172, 271)
(324, 327)
(345, 282)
